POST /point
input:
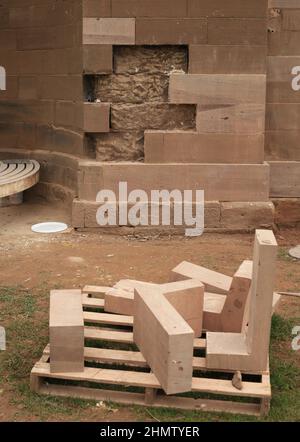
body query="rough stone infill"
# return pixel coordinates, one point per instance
(138, 93)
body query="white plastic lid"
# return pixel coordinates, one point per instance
(295, 252)
(50, 227)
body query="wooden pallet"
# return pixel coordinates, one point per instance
(127, 368)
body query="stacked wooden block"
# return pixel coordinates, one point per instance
(283, 104)
(169, 319)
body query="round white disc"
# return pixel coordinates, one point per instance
(295, 252)
(50, 227)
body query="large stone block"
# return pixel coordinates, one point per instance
(220, 182)
(247, 216)
(113, 31)
(96, 117)
(97, 59)
(218, 59)
(230, 8)
(237, 31)
(149, 8)
(160, 31)
(171, 147)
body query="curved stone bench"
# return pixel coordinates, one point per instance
(15, 177)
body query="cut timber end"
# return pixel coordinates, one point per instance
(119, 301)
(187, 297)
(165, 340)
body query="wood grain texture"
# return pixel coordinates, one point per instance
(250, 350)
(164, 339)
(66, 331)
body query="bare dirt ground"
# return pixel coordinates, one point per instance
(33, 263)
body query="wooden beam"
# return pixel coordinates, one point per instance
(66, 331)
(249, 350)
(165, 340)
(213, 281)
(186, 296)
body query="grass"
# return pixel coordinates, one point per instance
(283, 254)
(24, 314)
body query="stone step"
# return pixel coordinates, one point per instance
(237, 216)
(220, 182)
(193, 147)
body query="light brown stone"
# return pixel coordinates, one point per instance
(247, 216)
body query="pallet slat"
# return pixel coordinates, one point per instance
(122, 397)
(106, 318)
(108, 335)
(149, 380)
(89, 302)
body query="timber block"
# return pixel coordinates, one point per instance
(226, 313)
(186, 296)
(213, 281)
(66, 331)
(165, 340)
(96, 117)
(249, 350)
(112, 31)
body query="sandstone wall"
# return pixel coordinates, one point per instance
(41, 110)
(283, 101)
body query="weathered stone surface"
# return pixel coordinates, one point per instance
(219, 216)
(154, 116)
(246, 216)
(150, 60)
(138, 88)
(212, 214)
(287, 211)
(120, 146)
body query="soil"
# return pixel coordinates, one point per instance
(74, 259)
